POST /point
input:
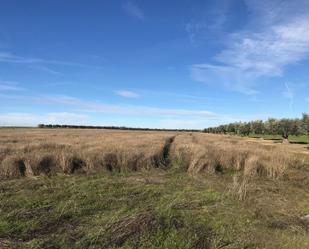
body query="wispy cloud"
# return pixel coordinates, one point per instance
(229, 77)
(267, 53)
(179, 97)
(182, 123)
(127, 94)
(132, 9)
(66, 118)
(30, 119)
(259, 51)
(10, 86)
(45, 69)
(80, 111)
(90, 106)
(212, 22)
(6, 57)
(289, 94)
(80, 105)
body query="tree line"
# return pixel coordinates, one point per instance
(272, 126)
(111, 127)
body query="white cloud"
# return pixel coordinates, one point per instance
(127, 94)
(30, 119)
(85, 106)
(229, 77)
(264, 49)
(6, 57)
(90, 106)
(66, 118)
(18, 119)
(132, 9)
(267, 53)
(45, 69)
(182, 123)
(9, 86)
(85, 112)
(289, 94)
(212, 22)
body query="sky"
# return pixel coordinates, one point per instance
(157, 64)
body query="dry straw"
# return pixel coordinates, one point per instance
(26, 152)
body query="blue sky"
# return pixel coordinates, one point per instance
(165, 64)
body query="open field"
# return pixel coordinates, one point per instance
(63, 188)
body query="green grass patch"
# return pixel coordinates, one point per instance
(267, 137)
(293, 139)
(156, 209)
(299, 139)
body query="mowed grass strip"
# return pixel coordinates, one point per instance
(299, 139)
(292, 139)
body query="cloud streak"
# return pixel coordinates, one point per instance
(132, 9)
(90, 106)
(289, 94)
(6, 57)
(9, 86)
(80, 105)
(127, 94)
(30, 119)
(212, 22)
(79, 111)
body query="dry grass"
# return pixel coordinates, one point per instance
(213, 153)
(243, 194)
(27, 152)
(31, 152)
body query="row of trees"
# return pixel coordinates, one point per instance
(283, 127)
(109, 127)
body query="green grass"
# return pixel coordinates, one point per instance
(267, 137)
(299, 139)
(293, 139)
(155, 209)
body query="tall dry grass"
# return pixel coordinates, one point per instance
(27, 152)
(213, 153)
(31, 152)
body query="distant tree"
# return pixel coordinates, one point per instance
(271, 126)
(238, 126)
(257, 127)
(231, 128)
(222, 129)
(286, 127)
(245, 129)
(305, 124)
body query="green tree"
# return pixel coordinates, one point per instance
(286, 127)
(305, 124)
(257, 127)
(245, 129)
(272, 126)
